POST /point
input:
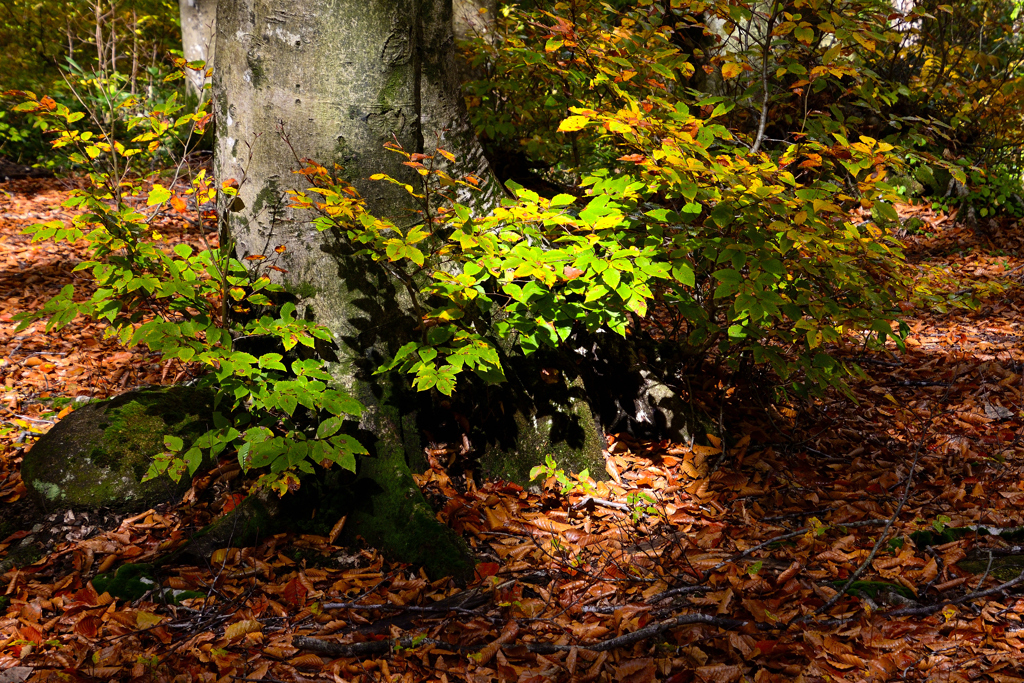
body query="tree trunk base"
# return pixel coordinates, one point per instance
(523, 430)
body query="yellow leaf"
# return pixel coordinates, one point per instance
(572, 124)
(241, 628)
(146, 620)
(731, 70)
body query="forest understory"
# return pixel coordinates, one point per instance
(740, 568)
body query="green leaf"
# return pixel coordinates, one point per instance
(338, 403)
(272, 361)
(683, 273)
(158, 195)
(193, 458)
(329, 427)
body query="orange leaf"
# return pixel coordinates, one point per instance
(232, 501)
(720, 673)
(178, 204)
(485, 569)
(508, 633)
(88, 626)
(731, 70)
(307, 662)
(336, 529)
(636, 671)
(31, 633)
(295, 592)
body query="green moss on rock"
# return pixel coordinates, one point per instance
(569, 435)
(97, 455)
(1003, 568)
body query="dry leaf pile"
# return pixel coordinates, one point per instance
(690, 563)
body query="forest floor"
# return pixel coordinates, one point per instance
(733, 572)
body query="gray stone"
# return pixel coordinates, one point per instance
(97, 456)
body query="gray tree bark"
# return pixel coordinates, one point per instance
(198, 28)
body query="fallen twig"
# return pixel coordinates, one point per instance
(878, 544)
(602, 502)
(378, 647)
(931, 609)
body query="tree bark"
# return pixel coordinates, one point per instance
(198, 28)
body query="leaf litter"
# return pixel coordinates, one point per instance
(871, 539)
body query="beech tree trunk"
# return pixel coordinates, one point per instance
(198, 28)
(332, 81)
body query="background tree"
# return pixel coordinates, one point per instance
(198, 28)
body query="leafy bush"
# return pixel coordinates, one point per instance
(989, 193)
(755, 262)
(758, 256)
(279, 413)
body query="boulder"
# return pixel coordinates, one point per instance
(97, 455)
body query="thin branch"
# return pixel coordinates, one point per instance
(931, 609)
(878, 544)
(377, 647)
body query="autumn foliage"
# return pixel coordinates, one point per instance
(733, 182)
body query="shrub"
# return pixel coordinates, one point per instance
(178, 301)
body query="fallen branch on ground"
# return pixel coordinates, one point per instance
(335, 649)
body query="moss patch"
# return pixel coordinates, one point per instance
(1003, 568)
(535, 441)
(97, 456)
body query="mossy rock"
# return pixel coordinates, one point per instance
(1003, 568)
(518, 429)
(97, 456)
(568, 434)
